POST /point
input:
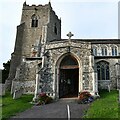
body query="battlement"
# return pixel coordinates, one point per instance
(33, 6)
(39, 7)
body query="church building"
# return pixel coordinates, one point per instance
(43, 62)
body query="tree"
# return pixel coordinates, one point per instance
(5, 71)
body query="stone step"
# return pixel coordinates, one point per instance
(68, 99)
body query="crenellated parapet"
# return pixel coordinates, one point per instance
(33, 6)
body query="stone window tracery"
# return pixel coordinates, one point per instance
(103, 70)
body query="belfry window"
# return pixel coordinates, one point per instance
(103, 70)
(34, 21)
(114, 51)
(55, 28)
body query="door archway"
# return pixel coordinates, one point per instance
(69, 77)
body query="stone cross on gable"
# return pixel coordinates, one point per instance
(70, 35)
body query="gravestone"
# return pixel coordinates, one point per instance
(119, 95)
(17, 93)
(2, 89)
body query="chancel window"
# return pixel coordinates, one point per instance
(103, 70)
(34, 21)
(114, 51)
(104, 51)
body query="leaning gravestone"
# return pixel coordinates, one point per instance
(17, 93)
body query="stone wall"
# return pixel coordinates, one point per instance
(25, 76)
(108, 47)
(33, 34)
(54, 27)
(112, 82)
(27, 86)
(111, 59)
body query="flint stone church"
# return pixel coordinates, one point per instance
(43, 62)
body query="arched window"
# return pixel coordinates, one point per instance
(95, 51)
(114, 51)
(34, 21)
(103, 70)
(104, 51)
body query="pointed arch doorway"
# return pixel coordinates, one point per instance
(69, 77)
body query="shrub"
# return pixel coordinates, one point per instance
(44, 99)
(48, 100)
(85, 97)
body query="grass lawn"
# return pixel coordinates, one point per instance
(104, 107)
(11, 107)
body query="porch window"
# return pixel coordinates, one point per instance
(103, 70)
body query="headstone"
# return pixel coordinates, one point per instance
(17, 93)
(119, 95)
(2, 89)
(109, 85)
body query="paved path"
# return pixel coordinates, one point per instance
(55, 110)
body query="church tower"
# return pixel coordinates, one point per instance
(39, 25)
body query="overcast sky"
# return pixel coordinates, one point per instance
(84, 18)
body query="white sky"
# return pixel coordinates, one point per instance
(84, 18)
